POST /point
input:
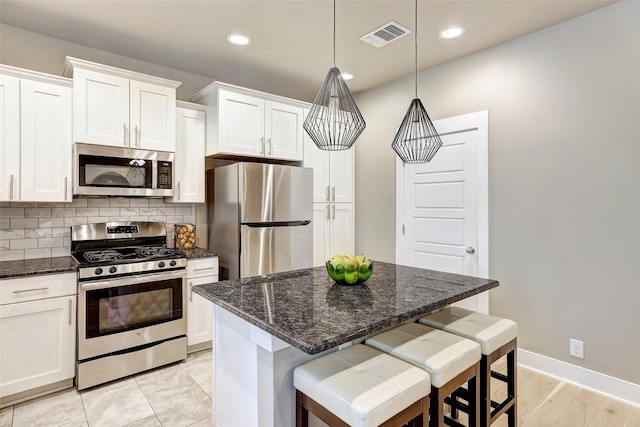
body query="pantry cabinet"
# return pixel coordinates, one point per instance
(241, 122)
(122, 108)
(189, 160)
(38, 330)
(333, 221)
(200, 311)
(35, 141)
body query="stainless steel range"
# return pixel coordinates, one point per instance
(131, 300)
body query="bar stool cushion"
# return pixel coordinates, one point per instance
(490, 332)
(440, 353)
(361, 385)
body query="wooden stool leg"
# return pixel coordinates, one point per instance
(485, 390)
(474, 399)
(512, 387)
(302, 415)
(436, 408)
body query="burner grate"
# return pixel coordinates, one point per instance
(154, 251)
(102, 255)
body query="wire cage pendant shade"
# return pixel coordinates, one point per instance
(417, 140)
(334, 121)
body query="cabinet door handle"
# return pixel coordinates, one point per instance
(326, 193)
(66, 180)
(11, 187)
(333, 210)
(327, 211)
(124, 134)
(178, 190)
(333, 194)
(30, 290)
(70, 302)
(269, 146)
(135, 135)
(203, 269)
(261, 145)
(191, 291)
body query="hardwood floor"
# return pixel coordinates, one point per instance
(180, 395)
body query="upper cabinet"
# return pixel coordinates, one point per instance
(35, 136)
(241, 122)
(122, 108)
(189, 159)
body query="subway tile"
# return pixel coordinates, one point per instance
(79, 202)
(50, 242)
(139, 218)
(98, 203)
(88, 211)
(184, 210)
(77, 220)
(173, 219)
(37, 212)
(23, 204)
(66, 241)
(24, 222)
(166, 211)
(190, 219)
(12, 212)
(4, 245)
(5, 204)
(119, 202)
(61, 232)
(37, 253)
(23, 244)
(53, 205)
(36, 233)
(157, 203)
(148, 211)
(109, 212)
(118, 218)
(96, 219)
(11, 255)
(50, 222)
(139, 203)
(129, 211)
(12, 233)
(63, 251)
(158, 218)
(64, 212)
(5, 222)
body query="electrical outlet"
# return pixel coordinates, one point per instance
(576, 348)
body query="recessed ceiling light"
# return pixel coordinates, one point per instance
(238, 39)
(347, 76)
(451, 33)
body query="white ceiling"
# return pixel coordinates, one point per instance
(291, 49)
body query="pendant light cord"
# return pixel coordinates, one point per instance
(415, 43)
(334, 33)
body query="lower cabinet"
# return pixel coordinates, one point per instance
(333, 231)
(37, 335)
(199, 310)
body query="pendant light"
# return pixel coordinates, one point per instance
(417, 139)
(334, 121)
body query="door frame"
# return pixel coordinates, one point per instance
(478, 120)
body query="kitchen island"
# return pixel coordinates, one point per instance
(265, 326)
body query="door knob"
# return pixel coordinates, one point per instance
(471, 250)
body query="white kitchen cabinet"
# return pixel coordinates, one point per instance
(36, 139)
(333, 231)
(333, 172)
(122, 108)
(199, 310)
(189, 159)
(37, 335)
(242, 122)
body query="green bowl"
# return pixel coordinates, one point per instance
(349, 277)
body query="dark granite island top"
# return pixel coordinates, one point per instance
(309, 311)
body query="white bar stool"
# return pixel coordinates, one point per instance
(497, 337)
(360, 386)
(450, 360)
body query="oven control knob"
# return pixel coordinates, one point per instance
(112, 269)
(98, 271)
(161, 264)
(173, 263)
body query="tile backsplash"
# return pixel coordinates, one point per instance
(41, 230)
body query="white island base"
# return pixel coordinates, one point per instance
(253, 375)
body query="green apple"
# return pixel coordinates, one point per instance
(336, 260)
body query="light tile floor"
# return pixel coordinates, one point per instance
(177, 395)
(180, 395)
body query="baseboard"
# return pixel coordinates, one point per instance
(597, 382)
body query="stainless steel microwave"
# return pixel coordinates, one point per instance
(113, 171)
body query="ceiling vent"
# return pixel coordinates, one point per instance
(385, 34)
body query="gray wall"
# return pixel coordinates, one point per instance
(564, 179)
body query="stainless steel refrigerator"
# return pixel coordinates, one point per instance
(260, 218)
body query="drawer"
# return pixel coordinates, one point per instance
(37, 287)
(202, 267)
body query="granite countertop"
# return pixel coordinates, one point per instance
(306, 309)
(34, 267)
(198, 253)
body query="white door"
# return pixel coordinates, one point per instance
(9, 138)
(283, 130)
(189, 159)
(152, 117)
(341, 176)
(341, 229)
(321, 214)
(241, 120)
(443, 205)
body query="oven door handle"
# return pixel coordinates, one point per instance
(133, 280)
